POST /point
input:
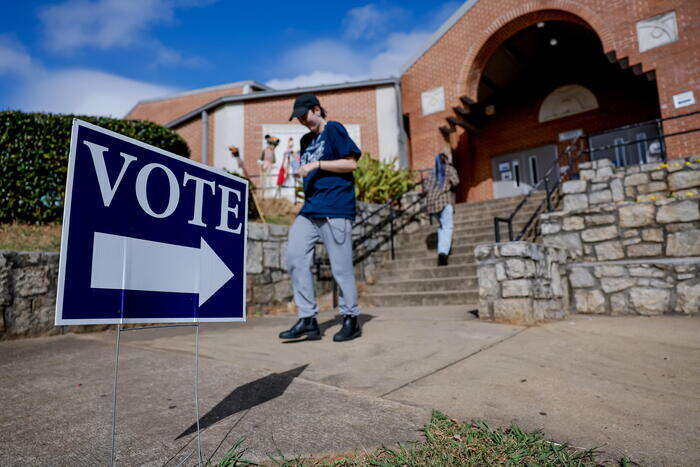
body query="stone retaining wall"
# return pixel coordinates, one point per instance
(28, 293)
(648, 211)
(521, 282)
(636, 287)
(635, 232)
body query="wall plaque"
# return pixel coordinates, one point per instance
(657, 31)
(433, 100)
(683, 99)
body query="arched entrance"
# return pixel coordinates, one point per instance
(538, 81)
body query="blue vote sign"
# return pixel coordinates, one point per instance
(148, 236)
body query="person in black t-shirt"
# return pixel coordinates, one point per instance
(328, 159)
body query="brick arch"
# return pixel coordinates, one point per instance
(509, 23)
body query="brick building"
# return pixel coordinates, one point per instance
(508, 83)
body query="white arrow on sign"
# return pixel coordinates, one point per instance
(126, 263)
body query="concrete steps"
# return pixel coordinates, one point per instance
(432, 272)
(418, 238)
(450, 297)
(441, 284)
(414, 279)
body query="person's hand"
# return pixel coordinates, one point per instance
(306, 169)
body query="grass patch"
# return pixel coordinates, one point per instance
(30, 237)
(278, 210)
(449, 443)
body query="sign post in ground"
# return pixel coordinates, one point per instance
(149, 237)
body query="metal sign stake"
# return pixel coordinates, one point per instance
(120, 329)
(196, 385)
(114, 396)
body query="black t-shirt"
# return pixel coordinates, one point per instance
(328, 194)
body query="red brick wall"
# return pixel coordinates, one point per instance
(351, 106)
(167, 110)
(456, 60)
(191, 132)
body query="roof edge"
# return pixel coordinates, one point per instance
(217, 87)
(442, 30)
(273, 93)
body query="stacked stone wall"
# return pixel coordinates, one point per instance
(636, 288)
(648, 211)
(521, 282)
(635, 233)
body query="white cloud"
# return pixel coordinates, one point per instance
(85, 92)
(329, 61)
(14, 59)
(101, 24)
(368, 21)
(112, 24)
(79, 91)
(399, 48)
(315, 78)
(324, 55)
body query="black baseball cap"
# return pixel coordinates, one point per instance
(302, 104)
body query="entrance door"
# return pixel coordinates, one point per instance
(517, 173)
(644, 146)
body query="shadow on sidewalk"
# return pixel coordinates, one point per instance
(246, 397)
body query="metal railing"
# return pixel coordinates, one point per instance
(568, 164)
(395, 214)
(550, 182)
(400, 214)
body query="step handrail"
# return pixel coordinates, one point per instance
(397, 218)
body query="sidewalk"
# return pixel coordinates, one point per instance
(630, 384)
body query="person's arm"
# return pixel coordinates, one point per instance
(452, 176)
(344, 165)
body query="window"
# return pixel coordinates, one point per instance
(642, 147)
(533, 170)
(620, 152)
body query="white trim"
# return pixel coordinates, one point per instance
(59, 321)
(268, 94)
(58, 318)
(217, 87)
(229, 130)
(388, 131)
(442, 30)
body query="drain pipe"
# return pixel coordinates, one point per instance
(205, 137)
(403, 145)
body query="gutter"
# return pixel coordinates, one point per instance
(268, 94)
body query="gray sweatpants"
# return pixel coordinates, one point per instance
(336, 234)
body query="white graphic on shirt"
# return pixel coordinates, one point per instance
(314, 150)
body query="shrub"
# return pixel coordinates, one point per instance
(378, 182)
(34, 159)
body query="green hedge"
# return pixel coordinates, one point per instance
(34, 159)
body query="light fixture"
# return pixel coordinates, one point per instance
(553, 42)
(540, 24)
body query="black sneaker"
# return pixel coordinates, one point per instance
(304, 327)
(351, 329)
(442, 259)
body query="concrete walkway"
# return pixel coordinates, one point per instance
(630, 385)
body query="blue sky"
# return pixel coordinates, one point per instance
(99, 57)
